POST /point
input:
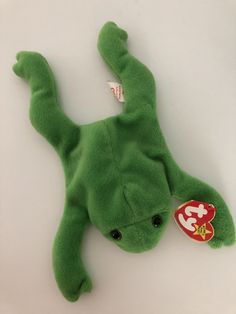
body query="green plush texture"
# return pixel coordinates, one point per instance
(119, 172)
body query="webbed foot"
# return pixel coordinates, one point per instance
(72, 293)
(30, 64)
(224, 230)
(112, 31)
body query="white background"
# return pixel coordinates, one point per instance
(190, 45)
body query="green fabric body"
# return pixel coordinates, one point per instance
(119, 172)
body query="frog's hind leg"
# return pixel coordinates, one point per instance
(45, 113)
(137, 80)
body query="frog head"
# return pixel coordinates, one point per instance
(140, 235)
(132, 218)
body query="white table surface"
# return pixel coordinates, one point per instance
(190, 47)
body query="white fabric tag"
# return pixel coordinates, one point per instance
(117, 90)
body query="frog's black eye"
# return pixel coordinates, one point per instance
(116, 234)
(156, 221)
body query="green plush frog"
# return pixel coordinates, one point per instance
(119, 173)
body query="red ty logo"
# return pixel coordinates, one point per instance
(194, 219)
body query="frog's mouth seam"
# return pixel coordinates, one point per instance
(165, 211)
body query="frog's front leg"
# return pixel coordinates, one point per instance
(186, 187)
(70, 273)
(137, 80)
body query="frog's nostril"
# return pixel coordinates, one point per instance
(156, 221)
